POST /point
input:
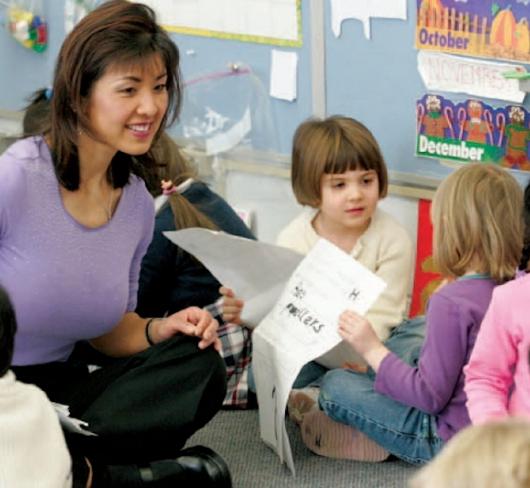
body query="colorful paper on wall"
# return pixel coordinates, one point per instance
(472, 131)
(426, 276)
(486, 28)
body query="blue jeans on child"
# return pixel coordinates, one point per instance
(310, 374)
(349, 398)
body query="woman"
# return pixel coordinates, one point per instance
(70, 254)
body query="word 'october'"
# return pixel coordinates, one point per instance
(437, 39)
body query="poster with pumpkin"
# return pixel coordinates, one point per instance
(496, 29)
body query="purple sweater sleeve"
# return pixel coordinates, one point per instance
(430, 386)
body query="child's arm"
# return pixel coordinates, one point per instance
(232, 306)
(431, 385)
(489, 374)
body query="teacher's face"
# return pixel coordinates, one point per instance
(127, 104)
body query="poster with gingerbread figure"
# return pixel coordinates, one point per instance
(496, 29)
(473, 131)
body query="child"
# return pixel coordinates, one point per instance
(410, 411)
(338, 171)
(492, 455)
(171, 279)
(32, 447)
(497, 379)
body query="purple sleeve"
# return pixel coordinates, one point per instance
(148, 223)
(12, 191)
(430, 385)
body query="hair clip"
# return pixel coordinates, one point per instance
(48, 93)
(168, 188)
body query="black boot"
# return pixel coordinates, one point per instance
(199, 465)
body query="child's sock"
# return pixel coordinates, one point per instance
(302, 401)
(326, 437)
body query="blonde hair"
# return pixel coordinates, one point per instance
(478, 222)
(178, 169)
(332, 146)
(493, 455)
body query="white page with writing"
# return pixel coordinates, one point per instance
(303, 326)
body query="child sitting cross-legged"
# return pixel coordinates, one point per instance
(339, 174)
(412, 411)
(32, 447)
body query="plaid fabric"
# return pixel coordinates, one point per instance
(236, 352)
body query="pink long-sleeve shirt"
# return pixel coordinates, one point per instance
(497, 375)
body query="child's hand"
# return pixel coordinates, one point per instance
(232, 306)
(358, 332)
(358, 368)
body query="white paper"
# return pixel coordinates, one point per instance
(277, 19)
(283, 74)
(443, 72)
(71, 424)
(256, 271)
(230, 138)
(363, 10)
(303, 326)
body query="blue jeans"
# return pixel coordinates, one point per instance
(406, 432)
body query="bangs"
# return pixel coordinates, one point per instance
(349, 156)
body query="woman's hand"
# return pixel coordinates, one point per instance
(359, 333)
(232, 306)
(191, 321)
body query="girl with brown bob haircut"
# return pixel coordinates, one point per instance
(70, 254)
(339, 174)
(330, 146)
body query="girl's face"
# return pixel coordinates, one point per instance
(348, 200)
(126, 106)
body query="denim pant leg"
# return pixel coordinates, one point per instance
(406, 432)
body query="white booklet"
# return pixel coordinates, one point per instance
(304, 298)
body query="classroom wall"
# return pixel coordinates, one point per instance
(373, 80)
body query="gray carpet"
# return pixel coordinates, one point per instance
(235, 436)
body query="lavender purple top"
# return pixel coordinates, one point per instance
(436, 386)
(67, 282)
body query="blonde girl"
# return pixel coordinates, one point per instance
(493, 455)
(411, 411)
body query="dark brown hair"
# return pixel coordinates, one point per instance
(37, 113)
(332, 146)
(116, 33)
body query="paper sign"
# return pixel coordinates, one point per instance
(283, 74)
(493, 29)
(472, 131)
(443, 72)
(303, 326)
(363, 10)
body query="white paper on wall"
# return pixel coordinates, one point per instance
(284, 67)
(364, 10)
(456, 74)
